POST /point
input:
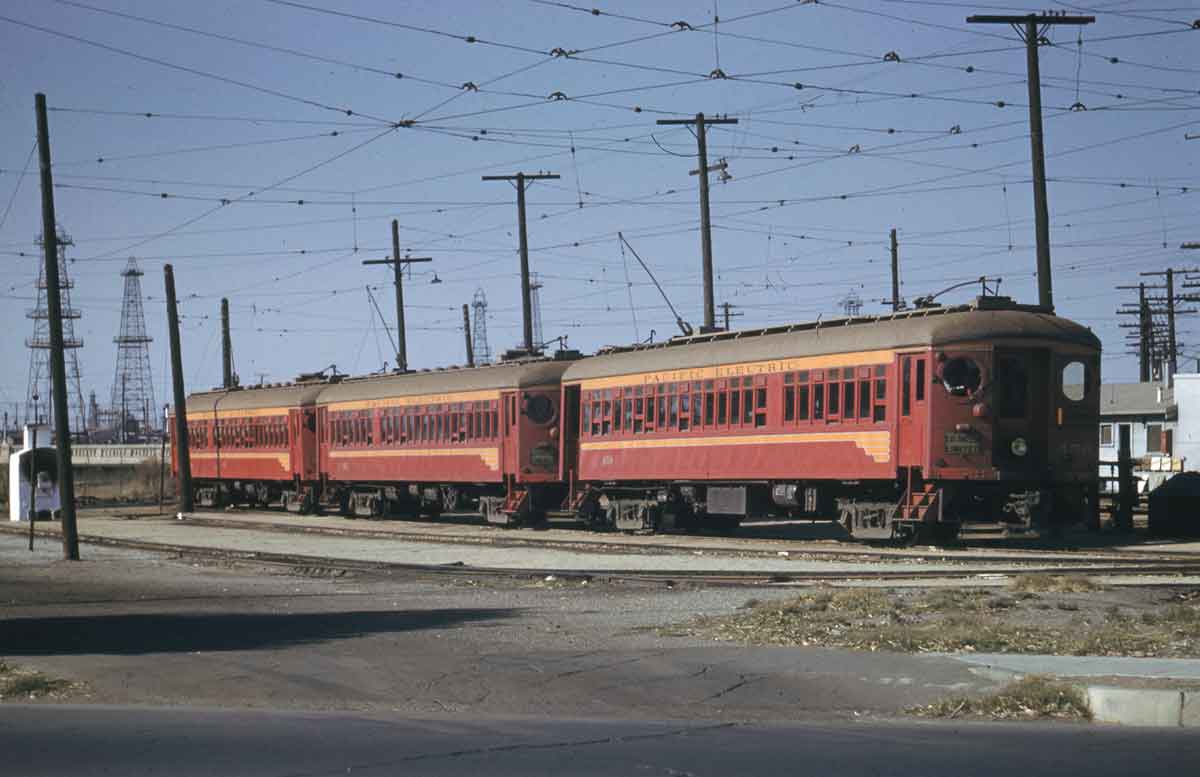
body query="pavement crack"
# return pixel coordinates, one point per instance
(742, 681)
(530, 746)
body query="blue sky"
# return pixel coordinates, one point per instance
(834, 147)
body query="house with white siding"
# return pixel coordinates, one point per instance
(1147, 415)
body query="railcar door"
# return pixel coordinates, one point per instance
(913, 406)
(1021, 403)
(511, 423)
(568, 422)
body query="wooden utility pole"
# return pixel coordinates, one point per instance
(182, 458)
(895, 273)
(58, 370)
(526, 296)
(1145, 329)
(467, 334)
(398, 279)
(725, 306)
(703, 170)
(1027, 26)
(226, 347)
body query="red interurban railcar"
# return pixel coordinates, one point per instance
(904, 425)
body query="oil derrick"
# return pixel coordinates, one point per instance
(133, 386)
(38, 397)
(483, 352)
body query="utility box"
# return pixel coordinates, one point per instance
(42, 489)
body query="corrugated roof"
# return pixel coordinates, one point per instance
(929, 327)
(1136, 399)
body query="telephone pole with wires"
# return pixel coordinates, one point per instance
(726, 307)
(700, 123)
(397, 264)
(521, 180)
(1031, 28)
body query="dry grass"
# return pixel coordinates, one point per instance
(951, 621)
(24, 685)
(1058, 584)
(1033, 697)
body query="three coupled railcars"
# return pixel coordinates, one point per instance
(903, 424)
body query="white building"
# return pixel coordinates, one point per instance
(1187, 428)
(1147, 414)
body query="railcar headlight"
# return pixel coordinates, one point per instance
(1019, 446)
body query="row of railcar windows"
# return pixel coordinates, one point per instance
(852, 394)
(455, 422)
(239, 433)
(849, 394)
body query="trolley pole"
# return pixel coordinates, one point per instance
(1027, 26)
(705, 224)
(398, 280)
(58, 371)
(526, 295)
(226, 347)
(895, 273)
(467, 334)
(182, 457)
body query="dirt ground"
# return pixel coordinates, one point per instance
(131, 627)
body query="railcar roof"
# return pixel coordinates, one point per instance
(255, 397)
(505, 375)
(937, 326)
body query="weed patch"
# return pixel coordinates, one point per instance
(1033, 697)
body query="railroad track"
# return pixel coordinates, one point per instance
(1155, 572)
(444, 533)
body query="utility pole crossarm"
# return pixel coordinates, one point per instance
(1030, 17)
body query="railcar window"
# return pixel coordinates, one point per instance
(1012, 389)
(802, 403)
(708, 408)
(685, 412)
(1074, 381)
(789, 402)
(735, 407)
(864, 399)
(722, 401)
(748, 406)
(832, 399)
(848, 398)
(818, 410)
(920, 380)
(906, 386)
(760, 407)
(961, 376)
(661, 419)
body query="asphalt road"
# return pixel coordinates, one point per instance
(86, 741)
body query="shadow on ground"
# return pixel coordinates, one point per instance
(170, 633)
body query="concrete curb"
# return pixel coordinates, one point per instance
(1144, 707)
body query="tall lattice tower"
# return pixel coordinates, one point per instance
(133, 385)
(38, 398)
(483, 351)
(535, 303)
